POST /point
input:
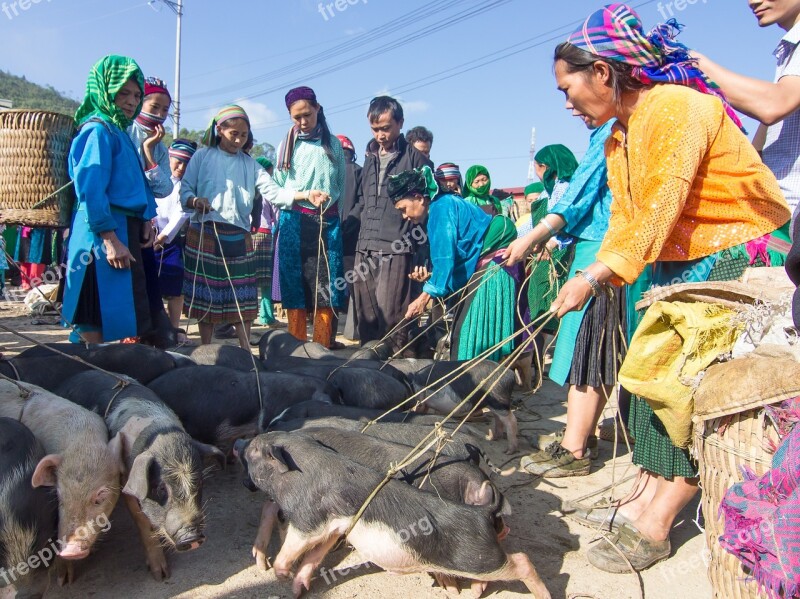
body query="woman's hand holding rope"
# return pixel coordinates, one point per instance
(417, 307)
(577, 291)
(318, 198)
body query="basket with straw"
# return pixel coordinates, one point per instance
(35, 189)
(732, 430)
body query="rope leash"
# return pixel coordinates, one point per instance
(37, 288)
(241, 317)
(58, 351)
(421, 447)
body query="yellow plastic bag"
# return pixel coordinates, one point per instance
(674, 343)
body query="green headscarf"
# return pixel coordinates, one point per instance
(105, 80)
(480, 196)
(407, 183)
(537, 187)
(560, 162)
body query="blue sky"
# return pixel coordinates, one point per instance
(257, 50)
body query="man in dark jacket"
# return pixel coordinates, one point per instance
(350, 227)
(386, 242)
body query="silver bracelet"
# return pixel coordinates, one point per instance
(597, 288)
(550, 227)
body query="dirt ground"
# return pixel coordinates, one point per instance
(223, 566)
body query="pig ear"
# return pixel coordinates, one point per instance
(210, 454)
(280, 455)
(45, 473)
(476, 494)
(117, 448)
(137, 482)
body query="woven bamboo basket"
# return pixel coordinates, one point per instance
(34, 146)
(723, 445)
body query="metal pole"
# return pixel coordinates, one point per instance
(177, 111)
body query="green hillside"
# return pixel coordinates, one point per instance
(25, 94)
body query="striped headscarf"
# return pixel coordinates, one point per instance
(616, 32)
(231, 111)
(106, 78)
(182, 149)
(448, 171)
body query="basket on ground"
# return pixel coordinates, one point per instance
(731, 430)
(34, 183)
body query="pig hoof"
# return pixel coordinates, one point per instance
(65, 572)
(158, 567)
(448, 583)
(478, 588)
(262, 559)
(301, 584)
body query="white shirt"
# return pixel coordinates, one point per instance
(229, 181)
(170, 216)
(782, 147)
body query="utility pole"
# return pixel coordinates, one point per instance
(177, 111)
(532, 163)
(177, 8)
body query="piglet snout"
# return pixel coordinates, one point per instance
(239, 447)
(74, 550)
(189, 541)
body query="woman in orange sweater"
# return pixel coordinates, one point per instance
(691, 197)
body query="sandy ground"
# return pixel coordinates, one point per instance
(223, 566)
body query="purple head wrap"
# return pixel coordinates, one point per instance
(300, 93)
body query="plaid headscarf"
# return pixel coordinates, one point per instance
(231, 111)
(616, 32)
(182, 149)
(107, 77)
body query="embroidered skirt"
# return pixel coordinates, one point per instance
(219, 280)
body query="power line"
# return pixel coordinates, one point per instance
(372, 53)
(451, 72)
(341, 47)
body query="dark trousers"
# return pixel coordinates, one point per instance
(382, 293)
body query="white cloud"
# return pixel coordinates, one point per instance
(409, 106)
(357, 31)
(415, 106)
(260, 114)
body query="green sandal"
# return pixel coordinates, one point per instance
(640, 552)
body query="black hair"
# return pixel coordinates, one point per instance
(383, 104)
(419, 134)
(581, 61)
(325, 140)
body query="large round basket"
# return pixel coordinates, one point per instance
(34, 183)
(723, 446)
